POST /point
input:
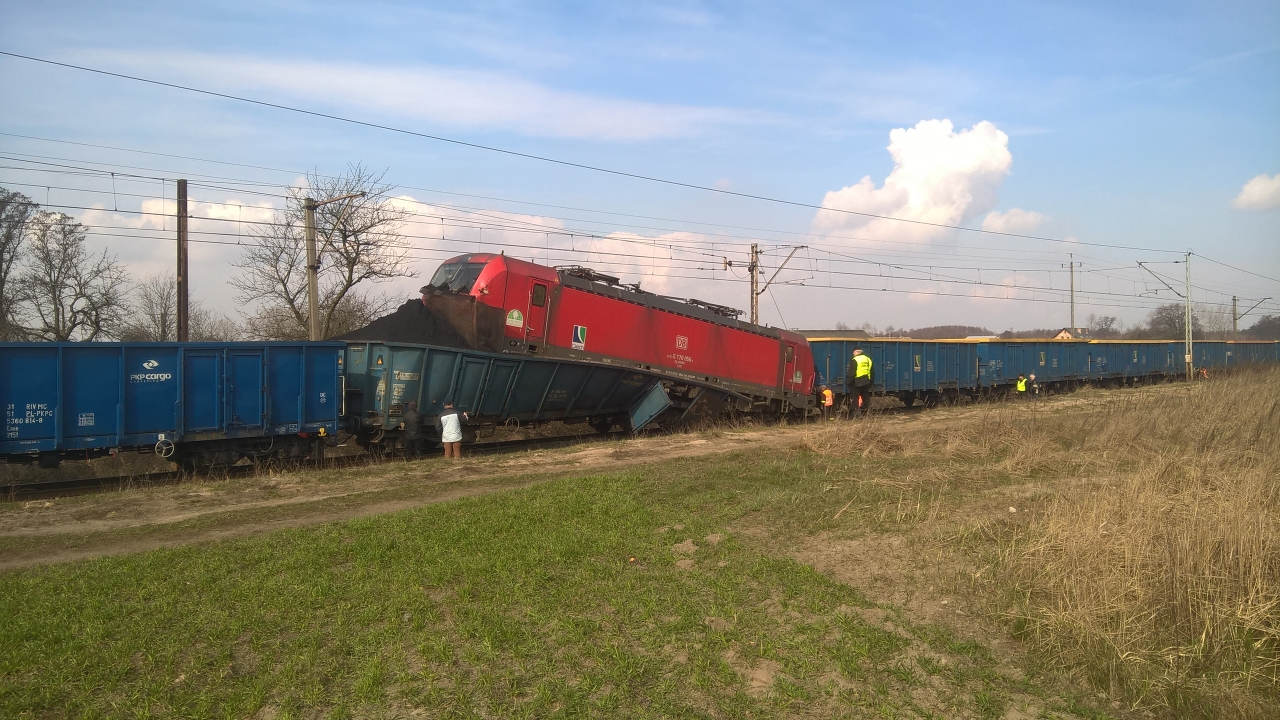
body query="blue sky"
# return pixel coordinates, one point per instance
(1136, 126)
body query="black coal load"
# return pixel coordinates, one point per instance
(439, 318)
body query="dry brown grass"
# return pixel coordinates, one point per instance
(1155, 570)
(1162, 579)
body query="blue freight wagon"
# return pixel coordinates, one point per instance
(195, 403)
(1053, 362)
(911, 370)
(1242, 353)
(948, 369)
(497, 388)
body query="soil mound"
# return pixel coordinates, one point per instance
(442, 319)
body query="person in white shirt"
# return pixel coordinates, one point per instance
(449, 423)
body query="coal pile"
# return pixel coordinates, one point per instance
(443, 319)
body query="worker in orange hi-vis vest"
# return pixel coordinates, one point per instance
(828, 401)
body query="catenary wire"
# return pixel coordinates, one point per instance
(566, 163)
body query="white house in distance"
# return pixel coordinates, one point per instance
(1073, 334)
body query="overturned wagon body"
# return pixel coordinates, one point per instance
(496, 389)
(196, 403)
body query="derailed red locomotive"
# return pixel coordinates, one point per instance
(577, 314)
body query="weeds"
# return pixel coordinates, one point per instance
(1162, 580)
(1154, 570)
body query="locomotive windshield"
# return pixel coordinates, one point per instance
(457, 277)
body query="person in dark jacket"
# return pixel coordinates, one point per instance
(412, 420)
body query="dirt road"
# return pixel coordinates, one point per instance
(140, 518)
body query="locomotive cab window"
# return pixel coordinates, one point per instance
(457, 277)
(539, 295)
(791, 354)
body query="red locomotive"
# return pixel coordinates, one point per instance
(576, 313)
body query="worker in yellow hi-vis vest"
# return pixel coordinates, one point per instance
(858, 378)
(1021, 387)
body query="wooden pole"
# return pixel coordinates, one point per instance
(313, 268)
(184, 327)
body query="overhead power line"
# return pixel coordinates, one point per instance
(904, 271)
(667, 272)
(817, 246)
(789, 233)
(557, 161)
(480, 220)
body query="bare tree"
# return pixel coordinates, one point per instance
(154, 316)
(16, 210)
(355, 311)
(210, 325)
(1216, 320)
(155, 311)
(65, 293)
(1105, 327)
(1167, 322)
(359, 240)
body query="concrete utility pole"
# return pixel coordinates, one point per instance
(313, 270)
(1189, 340)
(184, 326)
(1072, 266)
(1186, 318)
(758, 293)
(1235, 318)
(754, 266)
(313, 261)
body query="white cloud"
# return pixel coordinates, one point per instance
(1260, 193)
(1014, 221)
(442, 95)
(939, 176)
(146, 242)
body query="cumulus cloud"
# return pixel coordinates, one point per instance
(1260, 193)
(448, 96)
(1015, 221)
(939, 176)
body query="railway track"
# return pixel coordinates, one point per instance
(83, 486)
(44, 489)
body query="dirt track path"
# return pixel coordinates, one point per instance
(67, 529)
(207, 509)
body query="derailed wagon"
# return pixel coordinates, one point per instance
(504, 389)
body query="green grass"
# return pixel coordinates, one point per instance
(522, 603)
